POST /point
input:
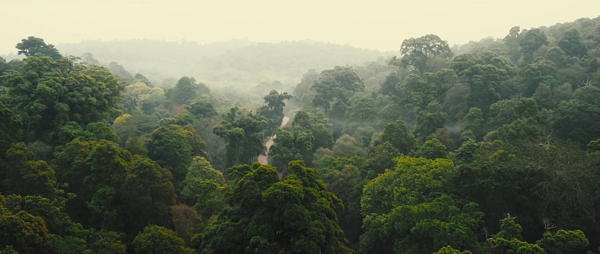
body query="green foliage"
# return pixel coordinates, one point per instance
(147, 197)
(466, 152)
(302, 91)
(199, 171)
(329, 164)
(362, 108)
(522, 128)
(75, 239)
(143, 96)
(157, 239)
(262, 208)
(128, 126)
(420, 92)
(505, 112)
(407, 211)
(185, 118)
(418, 51)
(508, 240)
(484, 75)
(318, 125)
(594, 146)
(187, 222)
(173, 147)
(347, 185)
(449, 250)
(109, 168)
(490, 175)
(32, 46)
(185, 91)
(136, 147)
(93, 132)
(543, 97)
(432, 149)
(347, 146)
(95, 197)
(563, 242)
(10, 128)
(24, 176)
(202, 108)
(474, 122)
(381, 157)
(541, 72)
(572, 44)
(398, 134)
(429, 120)
(8, 250)
(576, 121)
(22, 231)
(289, 146)
(334, 84)
(390, 85)
(531, 41)
(210, 200)
(48, 94)
(244, 135)
(273, 111)
(558, 57)
(588, 94)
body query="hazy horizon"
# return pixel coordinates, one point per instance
(378, 25)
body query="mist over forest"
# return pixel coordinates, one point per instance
(149, 146)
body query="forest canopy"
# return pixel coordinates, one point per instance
(487, 147)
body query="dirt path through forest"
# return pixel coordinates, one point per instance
(264, 159)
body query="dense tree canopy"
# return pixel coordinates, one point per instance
(335, 84)
(418, 51)
(48, 94)
(486, 147)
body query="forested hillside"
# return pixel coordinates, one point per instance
(239, 63)
(488, 147)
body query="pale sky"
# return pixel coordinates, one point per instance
(381, 25)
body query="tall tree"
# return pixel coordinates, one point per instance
(483, 74)
(531, 41)
(173, 147)
(109, 168)
(474, 122)
(336, 83)
(199, 171)
(362, 108)
(429, 121)
(244, 135)
(202, 108)
(186, 91)
(318, 125)
(511, 41)
(418, 51)
(147, 197)
(289, 146)
(33, 45)
(273, 111)
(398, 135)
(572, 44)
